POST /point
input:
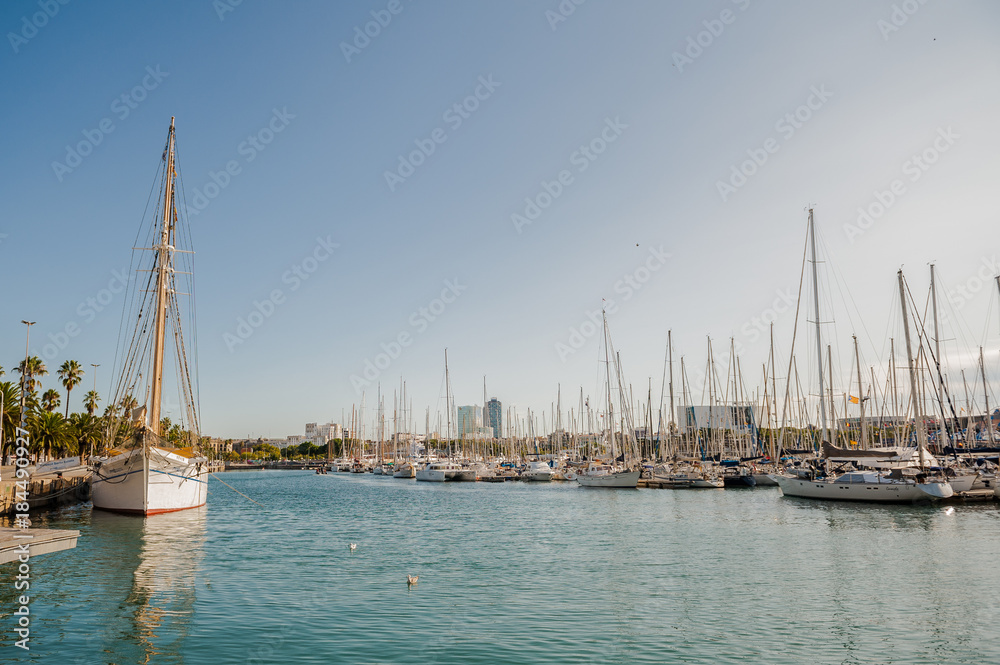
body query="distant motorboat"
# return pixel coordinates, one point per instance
(738, 477)
(444, 471)
(538, 471)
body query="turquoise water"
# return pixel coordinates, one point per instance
(513, 573)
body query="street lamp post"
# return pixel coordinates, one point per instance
(24, 376)
(95, 366)
(24, 373)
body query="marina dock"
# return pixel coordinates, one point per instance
(46, 491)
(42, 541)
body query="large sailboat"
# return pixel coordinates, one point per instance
(440, 471)
(151, 470)
(621, 472)
(899, 485)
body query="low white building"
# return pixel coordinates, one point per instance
(734, 418)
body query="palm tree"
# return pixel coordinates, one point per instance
(36, 369)
(86, 429)
(50, 431)
(71, 374)
(10, 398)
(31, 381)
(50, 400)
(90, 401)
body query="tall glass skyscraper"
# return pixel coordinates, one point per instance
(468, 420)
(493, 417)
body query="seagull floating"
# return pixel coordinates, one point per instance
(354, 546)
(949, 510)
(412, 579)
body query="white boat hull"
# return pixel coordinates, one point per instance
(881, 492)
(405, 471)
(688, 481)
(431, 475)
(963, 483)
(618, 479)
(764, 479)
(160, 482)
(539, 472)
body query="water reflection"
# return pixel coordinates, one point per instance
(162, 554)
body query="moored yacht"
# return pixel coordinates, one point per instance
(606, 475)
(443, 471)
(537, 472)
(892, 487)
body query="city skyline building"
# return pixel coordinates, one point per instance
(493, 416)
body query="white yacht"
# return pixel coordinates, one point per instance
(537, 472)
(445, 470)
(605, 475)
(892, 487)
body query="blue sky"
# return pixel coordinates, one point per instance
(618, 100)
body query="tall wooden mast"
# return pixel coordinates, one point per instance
(163, 271)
